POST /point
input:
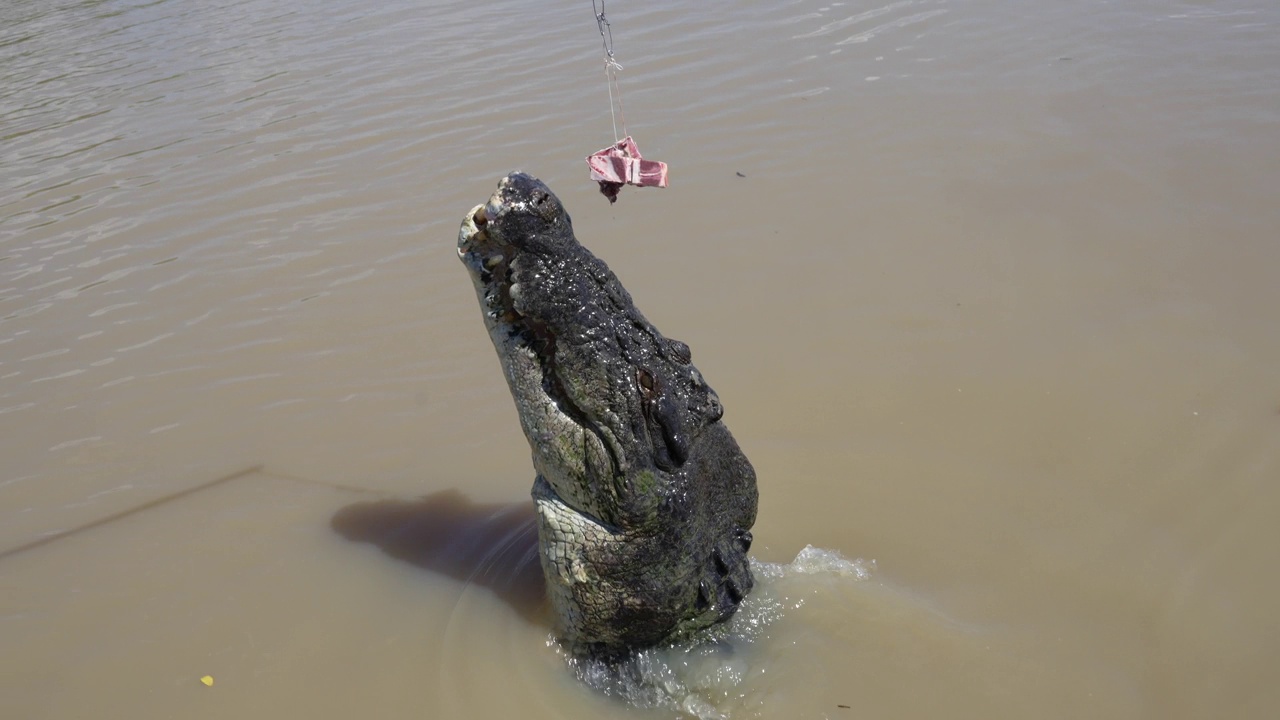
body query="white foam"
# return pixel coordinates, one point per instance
(710, 676)
(812, 560)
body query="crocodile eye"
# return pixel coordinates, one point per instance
(646, 381)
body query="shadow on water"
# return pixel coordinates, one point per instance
(493, 545)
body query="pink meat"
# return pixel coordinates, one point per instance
(621, 163)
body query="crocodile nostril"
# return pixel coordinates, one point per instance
(481, 218)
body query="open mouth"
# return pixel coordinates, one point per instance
(488, 259)
(522, 340)
(474, 235)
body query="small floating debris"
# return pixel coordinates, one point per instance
(207, 680)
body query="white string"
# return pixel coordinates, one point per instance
(611, 68)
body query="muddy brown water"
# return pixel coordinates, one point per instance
(989, 290)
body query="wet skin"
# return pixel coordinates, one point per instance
(644, 500)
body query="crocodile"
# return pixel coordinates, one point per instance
(644, 501)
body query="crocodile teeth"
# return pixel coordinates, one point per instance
(492, 209)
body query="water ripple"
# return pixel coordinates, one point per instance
(211, 209)
(854, 19)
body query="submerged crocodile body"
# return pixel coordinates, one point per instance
(644, 500)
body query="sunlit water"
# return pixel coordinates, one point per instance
(988, 290)
(722, 671)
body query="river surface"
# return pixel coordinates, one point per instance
(990, 291)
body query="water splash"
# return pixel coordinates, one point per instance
(709, 677)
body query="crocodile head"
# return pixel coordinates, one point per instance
(645, 500)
